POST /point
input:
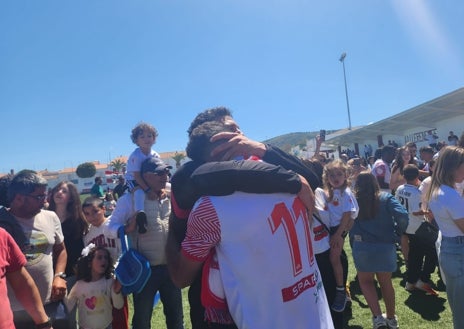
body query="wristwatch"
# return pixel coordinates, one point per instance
(44, 325)
(61, 275)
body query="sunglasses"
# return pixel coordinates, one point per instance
(161, 173)
(40, 198)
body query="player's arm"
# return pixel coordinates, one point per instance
(239, 144)
(226, 177)
(194, 180)
(202, 235)
(176, 233)
(186, 270)
(276, 156)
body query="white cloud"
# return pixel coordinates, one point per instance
(427, 31)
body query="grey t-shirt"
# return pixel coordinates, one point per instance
(42, 231)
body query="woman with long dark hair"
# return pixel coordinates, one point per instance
(380, 223)
(66, 203)
(403, 157)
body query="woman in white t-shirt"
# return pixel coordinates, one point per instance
(447, 206)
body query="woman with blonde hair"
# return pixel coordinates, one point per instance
(447, 206)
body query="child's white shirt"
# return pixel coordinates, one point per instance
(101, 236)
(134, 163)
(341, 202)
(94, 301)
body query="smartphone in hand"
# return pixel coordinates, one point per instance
(322, 135)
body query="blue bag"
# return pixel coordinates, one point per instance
(133, 269)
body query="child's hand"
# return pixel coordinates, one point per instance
(131, 224)
(429, 216)
(151, 195)
(117, 286)
(336, 241)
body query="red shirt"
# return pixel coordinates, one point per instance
(11, 260)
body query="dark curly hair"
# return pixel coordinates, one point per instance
(140, 128)
(213, 114)
(83, 268)
(199, 146)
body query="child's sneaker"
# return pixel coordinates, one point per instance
(379, 322)
(141, 220)
(409, 286)
(391, 323)
(339, 301)
(425, 287)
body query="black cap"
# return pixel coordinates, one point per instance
(154, 165)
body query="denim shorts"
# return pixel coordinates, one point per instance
(374, 257)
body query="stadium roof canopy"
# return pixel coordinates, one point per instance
(424, 115)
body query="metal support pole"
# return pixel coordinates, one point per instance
(342, 59)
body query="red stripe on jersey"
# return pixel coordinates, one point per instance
(203, 230)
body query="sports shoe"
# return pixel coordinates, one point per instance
(409, 286)
(141, 220)
(339, 301)
(379, 322)
(425, 287)
(391, 323)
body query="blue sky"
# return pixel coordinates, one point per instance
(76, 76)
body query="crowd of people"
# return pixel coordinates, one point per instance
(256, 234)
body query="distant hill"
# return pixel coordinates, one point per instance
(285, 142)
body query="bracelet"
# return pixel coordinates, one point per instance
(60, 274)
(147, 190)
(44, 325)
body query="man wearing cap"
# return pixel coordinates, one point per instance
(152, 245)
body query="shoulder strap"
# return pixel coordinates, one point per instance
(11, 225)
(316, 216)
(123, 238)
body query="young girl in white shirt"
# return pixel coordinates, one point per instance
(95, 291)
(343, 208)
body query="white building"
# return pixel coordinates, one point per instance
(103, 170)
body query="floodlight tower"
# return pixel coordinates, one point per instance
(342, 59)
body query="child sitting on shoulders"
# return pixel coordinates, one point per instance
(144, 136)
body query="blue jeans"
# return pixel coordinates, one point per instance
(452, 264)
(170, 296)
